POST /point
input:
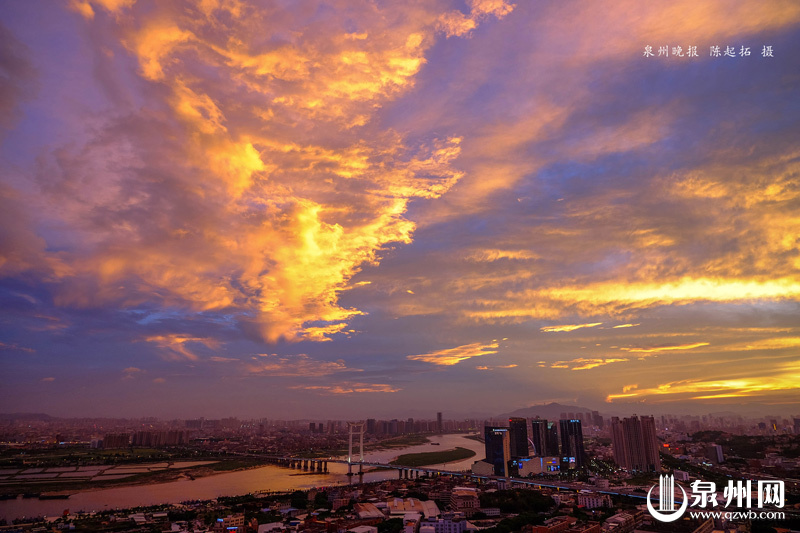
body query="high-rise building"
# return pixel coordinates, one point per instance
(544, 435)
(634, 443)
(439, 425)
(538, 428)
(572, 452)
(518, 433)
(552, 438)
(498, 448)
(714, 454)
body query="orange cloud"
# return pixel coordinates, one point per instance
(614, 297)
(456, 23)
(84, 7)
(584, 363)
(490, 256)
(657, 349)
(569, 327)
(783, 378)
(273, 189)
(174, 345)
(495, 367)
(348, 388)
(300, 365)
(452, 356)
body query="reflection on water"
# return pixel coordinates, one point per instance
(266, 478)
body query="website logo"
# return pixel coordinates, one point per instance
(666, 511)
(708, 503)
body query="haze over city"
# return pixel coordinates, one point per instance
(391, 209)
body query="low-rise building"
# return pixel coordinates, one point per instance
(464, 500)
(620, 523)
(593, 500)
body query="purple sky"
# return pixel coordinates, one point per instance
(350, 209)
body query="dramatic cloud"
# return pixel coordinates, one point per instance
(243, 208)
(335, 185)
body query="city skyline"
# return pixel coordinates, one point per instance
(366, 209)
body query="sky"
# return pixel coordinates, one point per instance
(368, 208)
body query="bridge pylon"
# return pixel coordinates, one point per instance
(355, 428)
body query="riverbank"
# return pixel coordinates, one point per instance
(258, 479)
(433, 458)
(124, 476)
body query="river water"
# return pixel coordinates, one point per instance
(271, 478)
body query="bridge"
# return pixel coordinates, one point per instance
(408, 472)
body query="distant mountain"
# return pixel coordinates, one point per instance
(25, 416)
(550, 411)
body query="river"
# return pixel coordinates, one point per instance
(271, 478)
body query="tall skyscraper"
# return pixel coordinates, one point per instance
(634, 443)
(439, 425)
(518, 429)
(498, 448)
(544, 435)
(552, 438)
(572, 452)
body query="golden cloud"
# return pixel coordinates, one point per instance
(348, 388)
(269, 192)
(300, 365)
(452, 356)
(495, 367)
(784, 377)
(569, 327)
(492, 255)
(174, 345)
(616, 297)
(456, 23)
(583, 363)
(669, 348)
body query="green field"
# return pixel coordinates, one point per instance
(433, 458)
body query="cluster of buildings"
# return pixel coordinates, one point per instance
(148, 439)
(527, 448)
(511, 452)
(438, 505)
